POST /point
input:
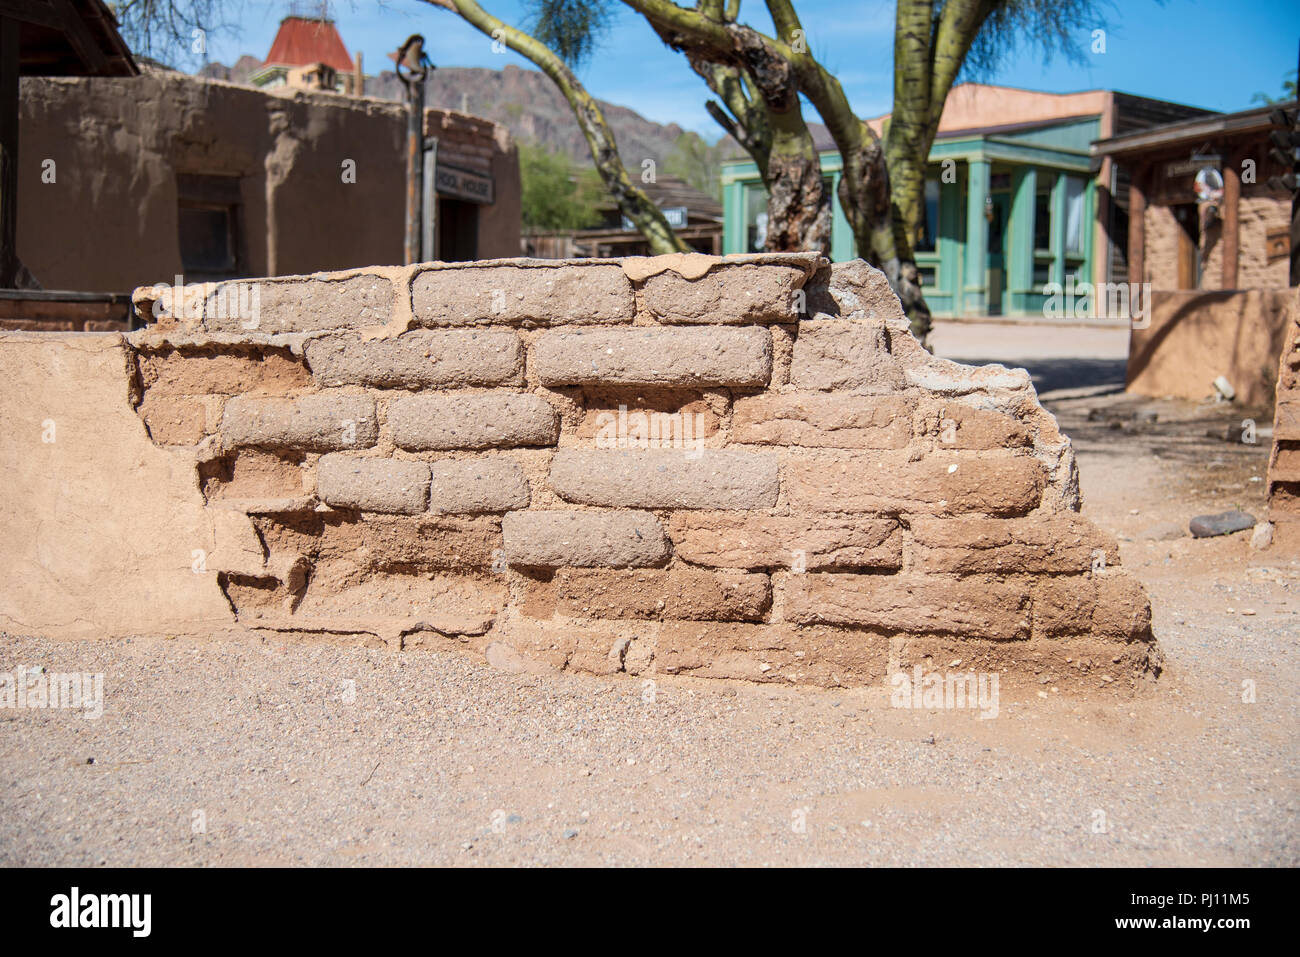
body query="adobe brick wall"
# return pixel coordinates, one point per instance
(1284, 464)
(738, 468)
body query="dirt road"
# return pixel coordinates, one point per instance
(230, 753)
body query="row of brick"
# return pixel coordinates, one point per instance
(332, 421)
(328, 421)
(1109, 607)
(839, 355)
(737, 294)
(967, 545)
(970, 577)
(717, 516)
(828, 354)
(567, 558)
(881, 483)
(527, 292)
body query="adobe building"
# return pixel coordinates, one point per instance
(1014, 201)
(1238, 239)
(1212, 238)
(167, 174)
(477, 185)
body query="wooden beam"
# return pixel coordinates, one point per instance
(74, 28)
(62, 16)
(1137, 208)
(8, 152)
(39, 12)
(1231, 220)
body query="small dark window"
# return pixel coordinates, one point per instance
(1043, 211)
(209, 226)
(207, 239)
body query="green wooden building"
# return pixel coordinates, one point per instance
(1013, 200)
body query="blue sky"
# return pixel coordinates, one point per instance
(1211, 53)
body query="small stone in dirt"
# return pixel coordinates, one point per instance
(570, 833)
(1224, 523)
(928, 739)
(1262, 536)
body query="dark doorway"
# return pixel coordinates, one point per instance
(457, 230)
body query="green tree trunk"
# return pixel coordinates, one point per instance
(761, 91)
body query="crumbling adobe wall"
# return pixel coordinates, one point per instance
(741, 468)
(1284, 465)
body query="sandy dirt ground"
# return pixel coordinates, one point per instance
(227, 752)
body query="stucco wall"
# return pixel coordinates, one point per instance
(105, 532)
(1195, 336)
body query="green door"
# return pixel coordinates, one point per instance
(997, 268)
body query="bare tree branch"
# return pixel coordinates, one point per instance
(632, 202)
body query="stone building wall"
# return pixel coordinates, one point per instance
(1160, 257)
(741, 468)
(1259, 214)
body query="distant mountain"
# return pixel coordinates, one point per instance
(239, 73)
(527, 103)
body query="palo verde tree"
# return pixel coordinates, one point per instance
(711, 33)
(758, 104)
(565, 34)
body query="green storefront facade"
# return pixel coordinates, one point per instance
(1009, 210)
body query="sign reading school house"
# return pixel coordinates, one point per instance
(462, 184)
